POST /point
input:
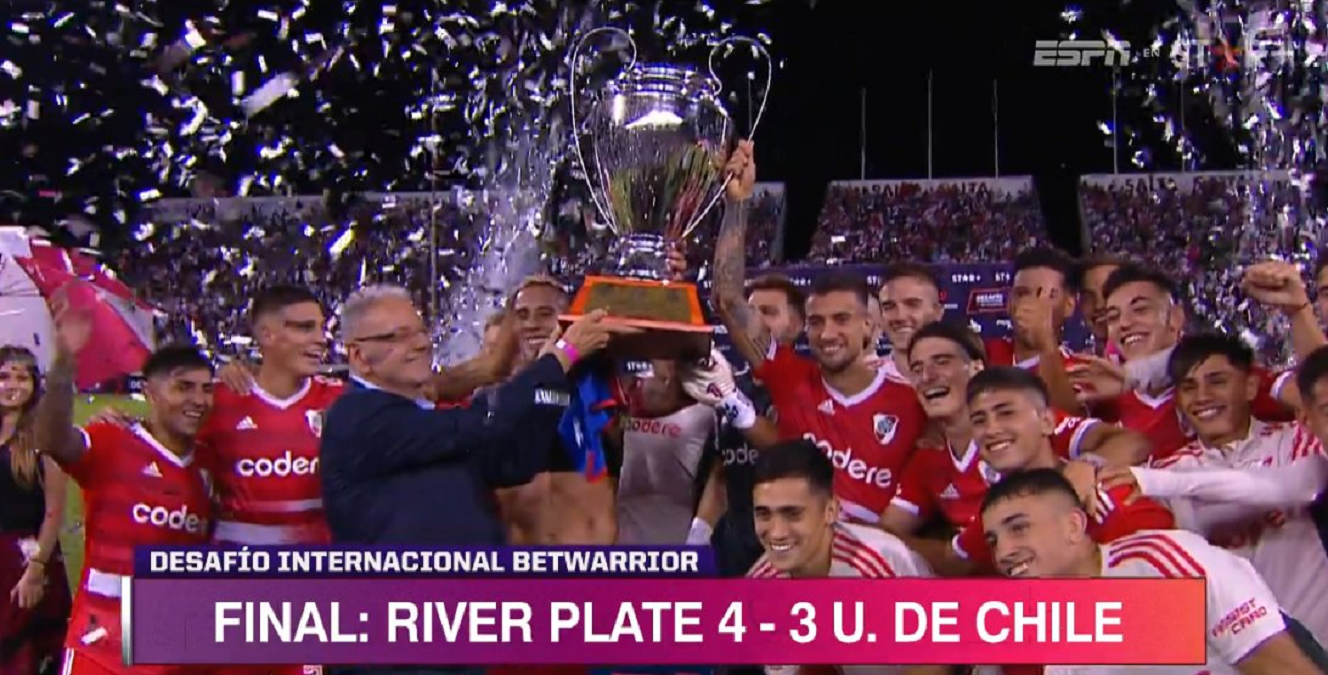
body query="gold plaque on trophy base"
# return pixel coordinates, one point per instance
(669, 314)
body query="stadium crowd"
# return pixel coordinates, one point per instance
(194, 259)
(1203, 230)
(1171, 451)
(967, 221)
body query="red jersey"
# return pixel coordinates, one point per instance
(1112, 519)
(1000, 352)
(135, 493)
(263, 452)
(936, 480)
(1158, 418)
(868, 436)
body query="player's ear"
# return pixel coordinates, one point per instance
(1076, 525)
(1252, 386)
(150, 390)
(1069, 300)
(832, 510)
(1047, 417)
(1176, 318)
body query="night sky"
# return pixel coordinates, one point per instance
(1047, 116)
(831, 53)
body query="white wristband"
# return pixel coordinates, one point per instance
(739, 411)
(700, 533)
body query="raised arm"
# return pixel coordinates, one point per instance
(56, 434)
(1278, 284)
(746, 332)
(490, 367)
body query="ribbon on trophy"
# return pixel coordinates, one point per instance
(593, 404)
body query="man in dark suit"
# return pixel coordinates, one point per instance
(391, 463)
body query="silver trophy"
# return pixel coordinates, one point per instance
(659, 138)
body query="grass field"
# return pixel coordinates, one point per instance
(71, 539)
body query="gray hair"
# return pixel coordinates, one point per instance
(360, 302)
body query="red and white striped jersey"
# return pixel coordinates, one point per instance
(1114, 516)
(1158, 418)
(263, 452)
(859, 551)
(1253, 497)
(936, 480)
(1242, 612)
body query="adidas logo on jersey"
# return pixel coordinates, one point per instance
(827, 406)
(246, 424)
(152, 470)
(950, 492)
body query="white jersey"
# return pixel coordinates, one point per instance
(1253, 498)
(863, 552)
(660, 479)
(1242, 612)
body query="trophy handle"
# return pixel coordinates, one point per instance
(574, 59)
(769, 73)
(756, 121)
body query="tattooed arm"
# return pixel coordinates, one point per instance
(746, 331)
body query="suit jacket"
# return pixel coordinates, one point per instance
(396, 471)
(391, 467)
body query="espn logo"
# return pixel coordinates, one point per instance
(986, 301)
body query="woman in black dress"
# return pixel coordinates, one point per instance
(34, 610)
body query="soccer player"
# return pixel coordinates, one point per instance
(910, 298)
(1312, 381)
(712, 384)
(1013, 425)
(1247, 485)
(1093, 273)
(946, 475)
(560, 506)
(670, 477)
(798, 523)
(1144, 320)
(1037, 527)
(864, 421)
(1042, 299)
(773, 308)
(141, 485)
(261, 445)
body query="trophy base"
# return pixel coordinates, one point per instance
(667, 312)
